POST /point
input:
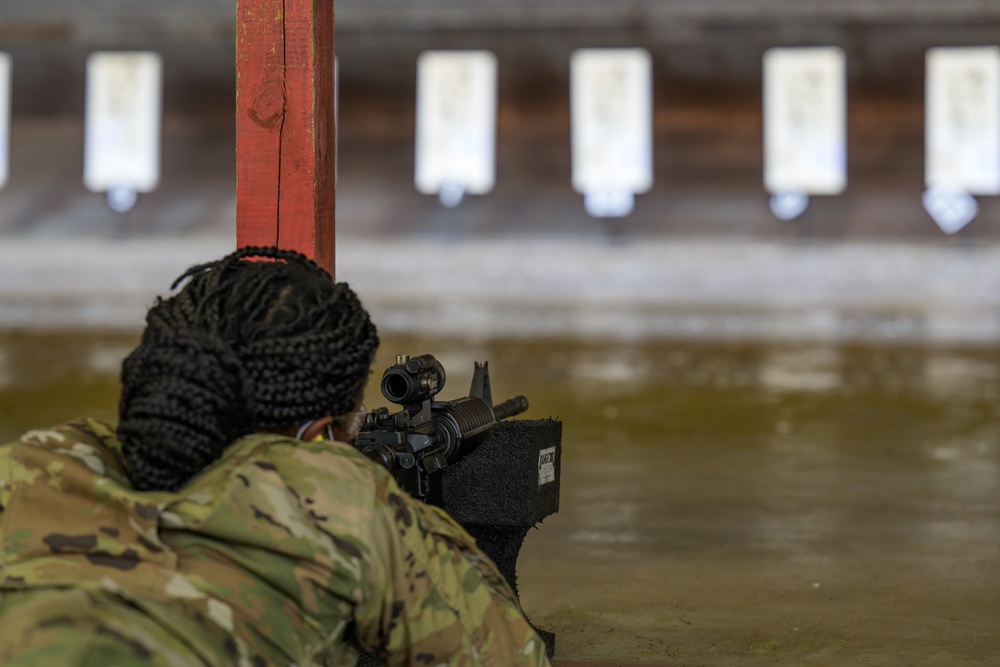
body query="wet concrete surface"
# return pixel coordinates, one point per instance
(721, 504)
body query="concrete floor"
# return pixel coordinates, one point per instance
(721, 504)
(789, 505)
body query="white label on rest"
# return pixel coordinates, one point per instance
(963, 120)
(4, 117)
(546, 466)
(456, 122)
(122, 129)
(611, 113)
(805, 120)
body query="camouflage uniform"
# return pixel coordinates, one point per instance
(281, 553)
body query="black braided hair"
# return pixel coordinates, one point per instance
(244, 346)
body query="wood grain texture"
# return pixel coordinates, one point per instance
(285, 126)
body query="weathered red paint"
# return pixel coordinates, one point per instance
(285, 192)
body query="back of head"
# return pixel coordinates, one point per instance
(245, 346)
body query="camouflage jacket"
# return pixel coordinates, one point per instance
(280, 553)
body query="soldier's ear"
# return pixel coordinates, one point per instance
(314, 430)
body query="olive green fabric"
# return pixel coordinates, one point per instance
(280, 553)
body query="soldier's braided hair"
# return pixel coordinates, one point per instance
(244, 346)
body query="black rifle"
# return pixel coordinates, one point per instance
(426, 435)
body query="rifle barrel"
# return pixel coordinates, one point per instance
(510, 407)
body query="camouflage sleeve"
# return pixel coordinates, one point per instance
(434, 598)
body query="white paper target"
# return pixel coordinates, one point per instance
(611, 113)
(456, 123)
(5, 80)
(122, 126)
(805, 120)
(963, 120)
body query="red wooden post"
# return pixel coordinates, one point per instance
(285, 126)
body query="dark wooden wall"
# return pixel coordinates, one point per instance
(707, 69)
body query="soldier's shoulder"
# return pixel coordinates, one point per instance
(324, 483)
(92, 441)
(311, 463)
(85, 429)
(288, 451)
